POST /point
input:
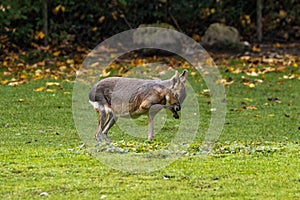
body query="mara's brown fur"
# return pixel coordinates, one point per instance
(126, 97)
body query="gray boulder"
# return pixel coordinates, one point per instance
(220, 35)
(157, 37)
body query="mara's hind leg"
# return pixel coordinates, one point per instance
(110, 122)
(101, 121)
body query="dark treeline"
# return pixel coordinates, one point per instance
(25, 23)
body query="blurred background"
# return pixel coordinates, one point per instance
(68, 24)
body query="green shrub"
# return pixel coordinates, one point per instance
(90, 22)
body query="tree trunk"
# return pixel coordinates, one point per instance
(45, 21)
(259, 6)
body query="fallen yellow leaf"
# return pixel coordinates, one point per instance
(40, 89)
(256, 49)
(51, 90)
(252, 85)
(224, 82)
(48, 84)
(280, 82)
(23, 76)
(6, 73)
(13, 84)
(253, 73)
(193, 73)
(39, 35)
(282, 14)
(70, 61)
(276, 45)
(59, 8)
(4, 82)
(237, 71)
(247, 99)
(245, 58)
(101, 19)
(251, 108)
(196, 37)
(209, 62)
(95, 64)
(56, 53)
(249, 84)
(104, 73)
(5, 64)
(62, 68)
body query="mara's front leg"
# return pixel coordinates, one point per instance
(154, 109)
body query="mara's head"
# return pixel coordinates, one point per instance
(177, 85)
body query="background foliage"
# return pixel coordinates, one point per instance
(88, 23)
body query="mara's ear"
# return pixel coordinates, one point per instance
(183, 76)
(176, 75)
(174, 79)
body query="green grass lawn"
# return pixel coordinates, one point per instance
(256, 157)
